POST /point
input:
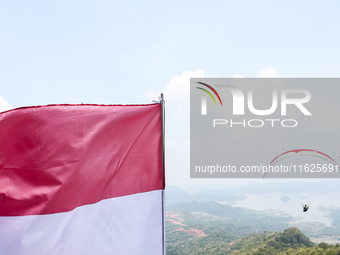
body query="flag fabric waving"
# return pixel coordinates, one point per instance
(81, 179)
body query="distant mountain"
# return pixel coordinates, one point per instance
(196, 224)
(226, 211)
(211, 220)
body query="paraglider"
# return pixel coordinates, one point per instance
(302, 152)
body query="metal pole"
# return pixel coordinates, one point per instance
(163, 168)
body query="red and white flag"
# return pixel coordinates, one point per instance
(81, 179)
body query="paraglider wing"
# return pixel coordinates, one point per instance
(301, 152)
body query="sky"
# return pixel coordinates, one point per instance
(128, 52)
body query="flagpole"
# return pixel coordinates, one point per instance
(163, 166)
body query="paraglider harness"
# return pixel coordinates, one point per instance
(305, 207)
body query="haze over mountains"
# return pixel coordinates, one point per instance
(177, 195)
(216, 220)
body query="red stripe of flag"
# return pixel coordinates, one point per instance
(56, 158)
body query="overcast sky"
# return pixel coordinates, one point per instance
(123, 52)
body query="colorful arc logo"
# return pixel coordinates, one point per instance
(204, 84)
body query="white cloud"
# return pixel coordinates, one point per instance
(4, 105)
(268, 73)
(177, 94)
(239, 76)
(179, 86)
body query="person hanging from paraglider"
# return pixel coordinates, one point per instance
(305, 207)
(301, 152)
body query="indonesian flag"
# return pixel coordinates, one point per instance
(81, 179)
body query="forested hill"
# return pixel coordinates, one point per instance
(289, 242)
(214, 228)
(274, 243)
